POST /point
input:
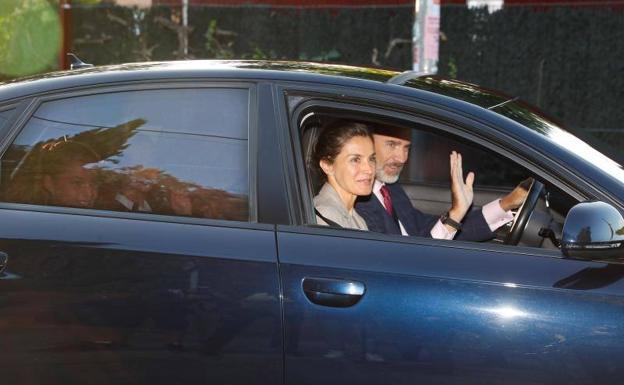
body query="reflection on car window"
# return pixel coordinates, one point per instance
(173, 151)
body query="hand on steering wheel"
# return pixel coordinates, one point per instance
(524, 213)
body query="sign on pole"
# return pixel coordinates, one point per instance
(426, 36)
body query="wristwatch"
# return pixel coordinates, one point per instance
(446, 220)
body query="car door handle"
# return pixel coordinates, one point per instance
(333, 292)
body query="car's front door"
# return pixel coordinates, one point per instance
(369, 309)
(128, 225)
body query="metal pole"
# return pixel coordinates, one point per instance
(416, 39)
(185, 4)
(425, 36)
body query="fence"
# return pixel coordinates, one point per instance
(567, 60)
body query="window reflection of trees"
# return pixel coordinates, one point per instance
(24, 168)
(171, 196)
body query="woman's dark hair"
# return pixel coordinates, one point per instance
(333, 137)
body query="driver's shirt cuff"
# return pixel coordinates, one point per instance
(439, 231)
(495, 216)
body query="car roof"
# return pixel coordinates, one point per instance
(277, 70)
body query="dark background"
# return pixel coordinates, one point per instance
(567, 60)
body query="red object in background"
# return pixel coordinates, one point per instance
(65, 19)
(293, 3)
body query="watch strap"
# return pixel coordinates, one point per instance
(447, 220)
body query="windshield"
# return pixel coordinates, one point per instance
(525, 115)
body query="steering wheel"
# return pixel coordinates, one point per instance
(524, 213)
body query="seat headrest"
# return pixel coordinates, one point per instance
(309, 138)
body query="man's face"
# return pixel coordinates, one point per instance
(74, 187)
(392, 153)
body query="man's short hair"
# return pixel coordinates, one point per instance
(394, 131)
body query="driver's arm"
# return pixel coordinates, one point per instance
(493, 213)
(515, 198)
(498, 212)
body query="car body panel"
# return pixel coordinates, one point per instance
(449, 314)
(110, 300)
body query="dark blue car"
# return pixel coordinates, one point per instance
(156, 227)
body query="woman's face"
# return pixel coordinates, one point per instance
(353, 169)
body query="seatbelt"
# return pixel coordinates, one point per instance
(328, 221)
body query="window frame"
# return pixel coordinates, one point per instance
(16, 118)
(3, 109)
(30, 106)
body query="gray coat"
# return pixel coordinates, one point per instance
(329, 204)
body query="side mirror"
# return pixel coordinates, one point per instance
(594, 231)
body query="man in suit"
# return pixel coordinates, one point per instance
(389, 210)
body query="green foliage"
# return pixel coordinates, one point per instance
(218, 43)
(85, 2)
(452, 68)
(30, 35)
(259, 54)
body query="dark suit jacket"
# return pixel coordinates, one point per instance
(474, 226)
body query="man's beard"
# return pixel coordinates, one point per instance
(384, 177)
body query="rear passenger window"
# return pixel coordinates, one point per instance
(167, 151)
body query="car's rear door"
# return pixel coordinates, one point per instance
(165, 276)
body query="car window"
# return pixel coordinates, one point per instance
(166, 151)
(424, 184)
(428, 162)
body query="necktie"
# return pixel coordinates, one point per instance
(387, 199)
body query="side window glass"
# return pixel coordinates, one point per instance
(426, 170)
(428, 149)
(168, 151)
